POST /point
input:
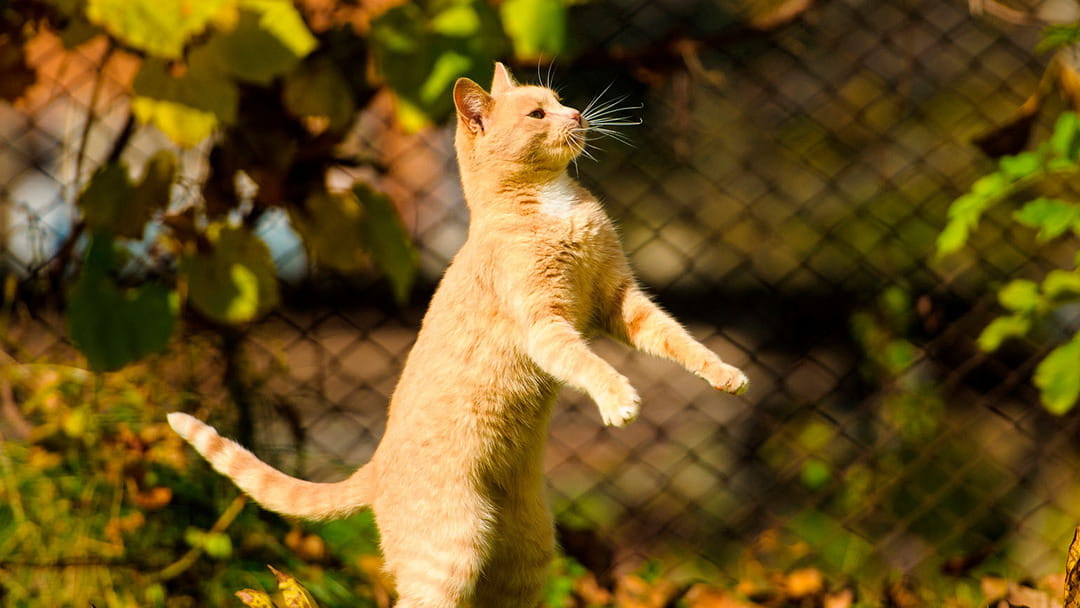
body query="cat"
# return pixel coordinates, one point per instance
(456, 482)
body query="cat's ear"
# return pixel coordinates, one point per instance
(502, 81)
(473, 104)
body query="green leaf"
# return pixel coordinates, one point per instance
(387, 241)
(236, 281)
(113, 326)
(1058, 35)
(1001, 329)
(537, 28)
(1065, 141)
(1062, 285)
(318, 90)
(1021, 166)
(815, 473)
(254, 51)
(189, 107)
(458, 20)
(161, 28)
(448, 67)
(994, 185)
(105, 198)
(1058, 379)
(1052, 217)
(952, 237)
(1020, 295)
(280, 18)
(331, 225)
(420, 55)
(964, 214)
(899, 355)
(218, 545)
(111, 203)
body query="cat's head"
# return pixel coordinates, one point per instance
(521, 125)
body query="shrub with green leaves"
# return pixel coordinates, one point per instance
(269, 99)
(1028, 302)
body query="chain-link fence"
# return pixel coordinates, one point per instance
(782, 199)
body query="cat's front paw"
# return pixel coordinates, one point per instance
(620, 404)
(727, 378)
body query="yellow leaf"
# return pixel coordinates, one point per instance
(186, 107)
(293, 592)
(159, 27)
(254, 599)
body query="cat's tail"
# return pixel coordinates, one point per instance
(270, 487)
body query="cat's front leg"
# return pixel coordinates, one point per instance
(639, 322)
(561, 351)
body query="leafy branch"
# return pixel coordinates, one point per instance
(1026, 301)
(275, 98)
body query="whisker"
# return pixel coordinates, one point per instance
(596, 99)
(619, 137)
(607, 107)
(606, 131)
(617, 122)
(598, 114)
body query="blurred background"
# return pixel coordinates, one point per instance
(203, 220)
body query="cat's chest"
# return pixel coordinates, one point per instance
(559, 200)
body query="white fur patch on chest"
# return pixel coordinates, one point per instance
(558, 198)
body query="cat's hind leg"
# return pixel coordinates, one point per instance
(435, 552)
(521, 553)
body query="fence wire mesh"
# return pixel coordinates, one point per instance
(782, 199)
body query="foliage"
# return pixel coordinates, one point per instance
(103, 505)
(1052, 219)
(1058, 36)
(571, 586)
(293, 594)
(270, 100)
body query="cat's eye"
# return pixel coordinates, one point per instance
(537, 113)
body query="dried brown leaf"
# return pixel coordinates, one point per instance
(805, 582)
(1072, 572)
(309, 547)
(771, 14)
(153, 499)
(840, 599)
(632, 591)
(1022, 595)
(705, 596)
(902, 594)
(993, 587)
(382, 587)
(1068, 78)
(590, 592)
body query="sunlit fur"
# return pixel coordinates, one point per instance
(456, 482)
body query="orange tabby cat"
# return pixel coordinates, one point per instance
(456, 482)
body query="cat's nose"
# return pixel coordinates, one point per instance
(576, 117)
